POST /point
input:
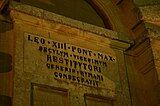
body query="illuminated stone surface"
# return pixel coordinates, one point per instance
(55, 60)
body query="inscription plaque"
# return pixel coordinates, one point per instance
(71, 63)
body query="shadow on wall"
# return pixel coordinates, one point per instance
(76, 9)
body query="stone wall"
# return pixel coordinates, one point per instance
(61, 56)
(37, 42)
(152, 22)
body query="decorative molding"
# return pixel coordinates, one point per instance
(139, 49)
(52, 17)
(146, 68)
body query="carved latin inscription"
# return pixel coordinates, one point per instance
(72, 63)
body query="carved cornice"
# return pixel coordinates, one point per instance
(52, 17)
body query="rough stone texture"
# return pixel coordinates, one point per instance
(146, 2)
(151, 14)
(152, 18)
(30, 63)
(152, 22)
(70, 22)
(140, 60)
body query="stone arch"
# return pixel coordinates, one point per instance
(108, 10)
(118, 15)
(79, 10)
(122, 15)
(103, 15)
(125, 17)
